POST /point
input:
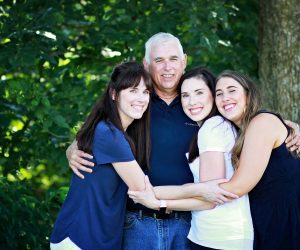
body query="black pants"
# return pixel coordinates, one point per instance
(199, 247)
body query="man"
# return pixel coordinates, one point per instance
(171, 134)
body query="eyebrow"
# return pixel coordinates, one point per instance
(229, 87)
(133, 87)
(161, 58)
(157, 58)
(194, 90)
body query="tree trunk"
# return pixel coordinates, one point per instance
(279, 62)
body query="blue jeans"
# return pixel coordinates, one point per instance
(147, 233)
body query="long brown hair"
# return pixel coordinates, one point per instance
(125, 75)
(253, 105)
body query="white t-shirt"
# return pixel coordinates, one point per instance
(228, 226)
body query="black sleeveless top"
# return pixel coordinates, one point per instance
(275, 202)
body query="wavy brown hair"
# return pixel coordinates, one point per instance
(253, 105)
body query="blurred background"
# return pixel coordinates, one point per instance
(56, 58)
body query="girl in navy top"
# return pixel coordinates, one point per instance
(116, 133)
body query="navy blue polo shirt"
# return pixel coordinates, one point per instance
(92, 215)
(171, 134)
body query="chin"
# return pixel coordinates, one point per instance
(227, 117)
(195, 119)
(169, 85)
(137, 116)
(231, 118)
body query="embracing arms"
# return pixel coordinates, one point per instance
(149, 198)
(209, 191)
(77, 162)
(264, 133)
(192, 196)
(131, 173)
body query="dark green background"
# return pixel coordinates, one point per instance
(54, 64)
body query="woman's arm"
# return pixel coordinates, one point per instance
(131, 174)
(190, 204)
(212, 166)
(77, 162)
(147, 198)
(207, 191)
(264, 133)
(214, 137)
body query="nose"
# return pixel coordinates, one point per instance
(192, 100)
(167, 65)
(143, 97)
(225, 97)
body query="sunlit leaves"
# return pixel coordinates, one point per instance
(56, 58)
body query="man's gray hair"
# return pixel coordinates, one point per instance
(160, 38)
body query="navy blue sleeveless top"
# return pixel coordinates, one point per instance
(275, 202)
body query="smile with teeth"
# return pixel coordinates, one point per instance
(195, 111)
(167, 75)
(229, 107)
(138, 107)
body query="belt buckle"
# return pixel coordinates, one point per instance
(161, 216)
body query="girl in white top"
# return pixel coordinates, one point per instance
(227, 226)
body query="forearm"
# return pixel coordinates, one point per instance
(239, 187)
(189, 204)
(176, 192)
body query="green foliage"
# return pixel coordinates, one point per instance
(55, 60)
(25, 218)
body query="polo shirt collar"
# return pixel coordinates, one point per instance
(154, 96)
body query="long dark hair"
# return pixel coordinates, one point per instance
(210, 80)
(125, 75)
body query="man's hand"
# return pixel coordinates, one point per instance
(146, 197)
(76, 160)
(211, 192)
(293, 140)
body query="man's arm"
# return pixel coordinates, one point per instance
(293, 140)
(76, 160)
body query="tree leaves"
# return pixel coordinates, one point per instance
(56, 58)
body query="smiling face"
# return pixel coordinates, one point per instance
(231, 99)
(132, 103)
(196, 99)
(166, 66)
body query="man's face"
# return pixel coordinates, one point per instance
(166, 66)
